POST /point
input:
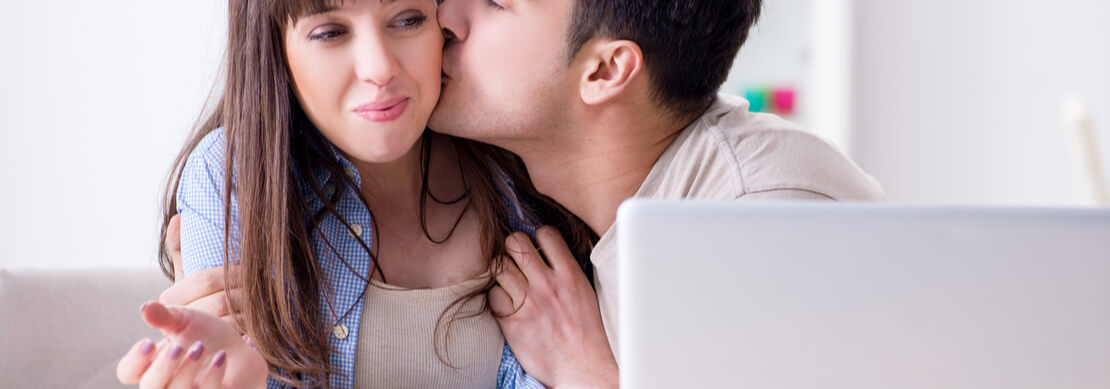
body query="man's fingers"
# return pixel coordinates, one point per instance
(511, 289)
(195, 286)
(131, 368)
(173, 246)
(216, 304)
(499, 302)
(531, 264)
(214, 375)
(555, 249)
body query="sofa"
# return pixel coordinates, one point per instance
(66, 328)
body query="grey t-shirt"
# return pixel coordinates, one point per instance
(731, 154)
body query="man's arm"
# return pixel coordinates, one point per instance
(203, 290)
(549, 314)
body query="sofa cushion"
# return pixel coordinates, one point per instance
(67, 328)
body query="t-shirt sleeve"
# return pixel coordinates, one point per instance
(785, 195)
(784, 164)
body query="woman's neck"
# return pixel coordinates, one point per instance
(413, 246)
(394, 184)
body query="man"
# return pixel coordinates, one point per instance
(605, 100)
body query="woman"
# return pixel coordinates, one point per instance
(321, 121)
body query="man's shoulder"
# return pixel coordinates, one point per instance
(741, 152)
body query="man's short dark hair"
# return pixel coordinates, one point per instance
(688, 45)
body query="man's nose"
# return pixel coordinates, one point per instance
(453, 16)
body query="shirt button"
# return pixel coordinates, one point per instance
(329, 189)
(356, 230)
(350, 172)
(340, 331)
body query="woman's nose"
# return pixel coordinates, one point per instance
(376, 62)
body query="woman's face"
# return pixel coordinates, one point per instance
(367, 74)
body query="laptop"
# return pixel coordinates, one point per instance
(799, 295)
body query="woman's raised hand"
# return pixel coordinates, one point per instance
(199, 350)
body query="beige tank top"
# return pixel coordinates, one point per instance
(395, 342)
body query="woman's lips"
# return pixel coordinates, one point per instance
(383, 111)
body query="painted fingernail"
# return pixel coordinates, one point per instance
(146, 347)
(176, 352)
(196, 351)
(142, 308)
(221, 357)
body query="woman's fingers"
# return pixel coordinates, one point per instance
(213, 377)
(163, 368)
(233, 322)
(130, 369)
(186, 376)
(161, 317)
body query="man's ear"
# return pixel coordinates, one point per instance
(610, 67)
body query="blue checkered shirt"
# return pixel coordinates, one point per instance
(200, 203)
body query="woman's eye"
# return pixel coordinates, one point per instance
(410, 22)
(327, 34)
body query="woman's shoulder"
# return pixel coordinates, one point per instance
(202, 175)
(210, 149)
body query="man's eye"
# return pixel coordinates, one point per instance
(494, 4)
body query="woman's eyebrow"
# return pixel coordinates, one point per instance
(322, 10)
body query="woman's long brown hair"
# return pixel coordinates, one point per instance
(269, 144)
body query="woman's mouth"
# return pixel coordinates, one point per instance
(383, 111)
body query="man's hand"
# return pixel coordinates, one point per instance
(549, 314)
(202, 290)
(217, 356)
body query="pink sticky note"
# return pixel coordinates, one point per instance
(784, 100)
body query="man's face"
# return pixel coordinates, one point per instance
(505, 70)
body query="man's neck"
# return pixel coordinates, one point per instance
(591, 169)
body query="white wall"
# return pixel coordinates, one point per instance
(953, 101)
(96, 98)
(958, 101)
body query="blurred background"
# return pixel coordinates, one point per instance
(967, 102)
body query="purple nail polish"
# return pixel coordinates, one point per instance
(196, 351)
(176, 352)
(146, 347)
(221, 357)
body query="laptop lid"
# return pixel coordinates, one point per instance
(833, 295)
